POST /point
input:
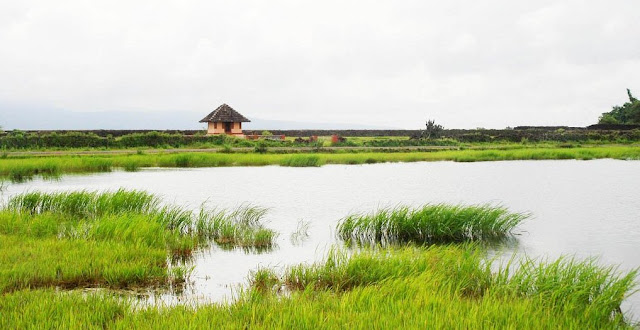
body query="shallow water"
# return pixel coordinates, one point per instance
(581, 208)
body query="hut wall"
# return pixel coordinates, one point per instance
(212, 129)
(218, 128)
(236, 128)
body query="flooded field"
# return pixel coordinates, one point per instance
(581, 208)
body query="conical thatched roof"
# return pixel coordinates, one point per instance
(225, 114)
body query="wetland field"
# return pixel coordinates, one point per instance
(526, 244)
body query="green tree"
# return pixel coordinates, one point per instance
(432, 130)
(608, 118)
(628, 113)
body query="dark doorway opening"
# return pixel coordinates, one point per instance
(227, 127)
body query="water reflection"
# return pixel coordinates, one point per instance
(249, 249)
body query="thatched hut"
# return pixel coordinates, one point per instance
(225, 120)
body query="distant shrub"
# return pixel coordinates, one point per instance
(19, 140)
(226, 149)
(261, 147)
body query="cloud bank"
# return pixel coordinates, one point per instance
(467, 64)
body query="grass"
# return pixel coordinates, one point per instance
(342, 271)
(124, 240)
(438, 282)
(438, 287)
(84, 203)
(301, 161)
(243, 227)
(134, 213)
(117, 239)
(47, 262)
(570, 284)
(438, 223)
(24, 168)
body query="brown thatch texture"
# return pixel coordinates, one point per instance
(225, 114)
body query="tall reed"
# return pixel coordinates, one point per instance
(566, 282)
(579, 289)
(431, 223)
(242, 227)
(84, 203)
(342, 271)
(113, 239)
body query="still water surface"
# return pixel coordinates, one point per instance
(581, 208)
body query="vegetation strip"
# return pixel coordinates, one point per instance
(20, 169)
(432, 135)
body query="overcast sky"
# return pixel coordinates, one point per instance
(467, 64)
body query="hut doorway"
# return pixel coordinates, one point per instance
(227, 127)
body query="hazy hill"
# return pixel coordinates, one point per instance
(48, 119)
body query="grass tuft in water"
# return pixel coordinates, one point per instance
(439, 223)
(567, 282)
(342, 271)
(565, 289)
(84, 203)
(114, 239)
(243, 227)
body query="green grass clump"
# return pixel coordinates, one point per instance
(301, 161)
(117, 239)
(566, 289)
(50, 309)
(84, 203)
(438, 223)
(567, 282)
(128, 213)
(243, 227)
(46, 262)
(342, 271)
(131, 166)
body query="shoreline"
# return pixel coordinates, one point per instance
(24, 168)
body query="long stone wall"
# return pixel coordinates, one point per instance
(529, 132)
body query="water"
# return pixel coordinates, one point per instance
(581, 208)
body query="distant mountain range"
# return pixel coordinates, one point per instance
(37, 119)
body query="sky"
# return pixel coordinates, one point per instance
(466, 64)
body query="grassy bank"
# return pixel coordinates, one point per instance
(24, 168)
(440, 287)
(121, 239)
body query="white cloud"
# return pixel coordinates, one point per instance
(466, 63)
